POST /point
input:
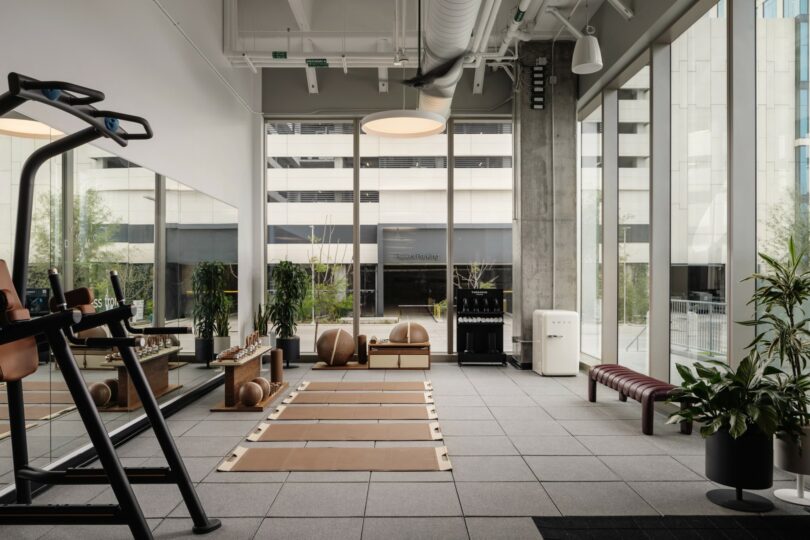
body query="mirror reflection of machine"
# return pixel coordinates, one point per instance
(479, 326)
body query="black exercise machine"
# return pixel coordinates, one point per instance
(18, 355)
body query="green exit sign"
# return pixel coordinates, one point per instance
(280, 55)
(317, 62)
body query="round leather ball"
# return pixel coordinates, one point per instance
(100, 393)
(265, 385)
(335, 347)
(112, 384)
(250, 394)
(408, 332)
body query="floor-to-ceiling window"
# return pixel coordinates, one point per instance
(634, 221)
(698, 322)
(310, 215)
(590, 177)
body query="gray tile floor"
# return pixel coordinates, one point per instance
(521, 445)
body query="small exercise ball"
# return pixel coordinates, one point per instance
(409, 332)
(264, 384)
(250, 394)
(100, 393)
(112, 384)
(335, 347)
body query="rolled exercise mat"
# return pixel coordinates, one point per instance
(277, 365)
(346, 432)
(365, 386)
(358, 398)
(336, 459)
(317, 412)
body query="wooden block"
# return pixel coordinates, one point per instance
(383, 361)
(414, 361)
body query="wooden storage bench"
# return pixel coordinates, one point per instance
(387, 355)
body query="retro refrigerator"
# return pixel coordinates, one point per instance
(555, 347)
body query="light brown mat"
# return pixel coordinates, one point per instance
(346, 432)
(358, 398)
(37, 396)
(45, 385)
(336, 459)
(364, 386)
(39, 412)
(350, 365)
(317, 412)
(5, 430)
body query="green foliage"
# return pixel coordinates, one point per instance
(634, 292)
(720, 397)
(222, 322)
(290, 282)
(782, 333)
(208, 286)
(261, 320)
(328, 300)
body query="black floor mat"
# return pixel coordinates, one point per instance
(674, 527)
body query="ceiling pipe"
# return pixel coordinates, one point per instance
(512, 31)
(623, 10)
(483, 21)
(565, 22)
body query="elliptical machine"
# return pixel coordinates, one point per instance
(18, 353)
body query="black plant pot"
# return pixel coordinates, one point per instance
(742, 463)
(203, 350)
(291, 347)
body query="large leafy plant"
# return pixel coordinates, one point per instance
(222, 322)
(783, 337)
(208, 287)
(721, 397)
(290, 283)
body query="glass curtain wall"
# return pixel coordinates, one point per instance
(310, 196)
(482, 210)
(406, 182)
(634, 221)
(698, 322)
(590, 177)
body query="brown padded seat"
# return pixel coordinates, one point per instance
(19, 358)
(642, 388)
(81, 299)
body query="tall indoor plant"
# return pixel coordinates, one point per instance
(290, 283)
(208, 288)
(261, 324)
(222, 327)
(739, 412)
(783, 337)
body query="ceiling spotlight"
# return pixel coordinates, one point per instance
(403, 124)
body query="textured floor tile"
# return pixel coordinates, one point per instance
(489, 528)
(680, 498)
(231, 529)
(630, 445)
(491, 469)
(451, 412)
(480, 446)
(156, 500)
(505, 499)
(426, 476)
(89, 532)
(412, 499)
(443, 400)
(534, 413)
(509, 400)
(570, 469)
(419, 528)
(329, 476)
(233, 500)
(575, 413)
(207, 446)
(197, 467)
(529, 428)
(311, 529)
(471, 428)
(601, 427)
(320, 500)
(549, 446)
(218, 477)
(649, 468)
(676, 443)
(597, 499)
(224, 428)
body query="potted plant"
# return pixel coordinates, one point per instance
(261, 324)
(222, 327)
(208, 289)
(783, 337)
(739, 412)
(290, 282)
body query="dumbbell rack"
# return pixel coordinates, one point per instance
(237, 373)
(479, 326)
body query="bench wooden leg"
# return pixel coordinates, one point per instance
(622, 397)
(591, 389)
(647, 414)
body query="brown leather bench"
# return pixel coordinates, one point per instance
(643, 388)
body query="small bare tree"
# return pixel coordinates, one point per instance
(472, 277)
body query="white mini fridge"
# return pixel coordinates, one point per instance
(555, 343)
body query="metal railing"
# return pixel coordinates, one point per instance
(698, 326)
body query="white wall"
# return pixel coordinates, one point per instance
(205, 132)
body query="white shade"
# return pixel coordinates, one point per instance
(403, 124)
(587, 56)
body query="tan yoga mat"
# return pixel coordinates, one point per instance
(42, 397)
(45, 385)
(39, 412)
(336, 459)
(358, 398)
(364, 386)
(346, 432)
(317, 412)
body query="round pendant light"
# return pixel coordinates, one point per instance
(403, 124)
(29, 129)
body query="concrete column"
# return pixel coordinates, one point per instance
(610, 226)
(545, 258)
(159, 292)
(68, 191)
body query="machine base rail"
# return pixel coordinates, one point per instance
(136, 475)
(62, 514)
